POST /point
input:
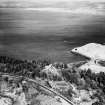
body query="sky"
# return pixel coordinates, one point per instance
(76, 6)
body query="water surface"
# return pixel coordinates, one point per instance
(29, 34)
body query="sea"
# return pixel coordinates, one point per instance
(34, 34)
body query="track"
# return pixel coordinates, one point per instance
(51, 90)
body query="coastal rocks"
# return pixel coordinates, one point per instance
(5, 101)
(96, 53)
(16, 94)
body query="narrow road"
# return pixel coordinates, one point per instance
(49, 89)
